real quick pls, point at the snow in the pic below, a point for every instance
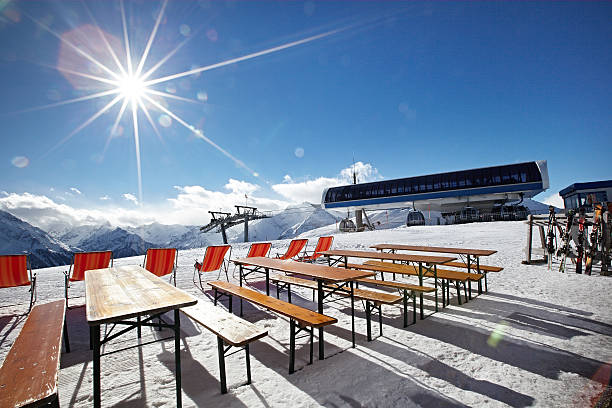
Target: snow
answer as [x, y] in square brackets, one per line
[536, 338]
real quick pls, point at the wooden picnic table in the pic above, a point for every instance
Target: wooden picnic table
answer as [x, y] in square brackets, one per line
[116, 294]
[431, 261]
[468, 253]
[323, 274]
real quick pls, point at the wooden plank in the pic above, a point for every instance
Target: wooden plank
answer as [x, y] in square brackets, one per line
[328, 273]
[398, 285]
[231, 328]
[29, 372]
[485, 268]
[121, 292]
[457, 251]
[390, 257]
[441, 273]
[302, 315]
[360, 294]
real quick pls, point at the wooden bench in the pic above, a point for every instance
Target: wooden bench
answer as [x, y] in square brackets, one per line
[372, 299]
[484, 269]
[446, 276]
[307, 320]
[230, 330]
[408, 290]
[28, 376]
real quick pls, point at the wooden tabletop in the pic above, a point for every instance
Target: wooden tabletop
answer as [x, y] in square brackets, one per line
[458, 251]
[389, 257]
[328, 273]
[121, 292]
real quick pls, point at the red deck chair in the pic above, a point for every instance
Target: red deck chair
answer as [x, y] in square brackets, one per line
[162, 262]
[257, 249]
[15, 270]
[323, 244]
[214, 259]
[295, 247]
[86, 261]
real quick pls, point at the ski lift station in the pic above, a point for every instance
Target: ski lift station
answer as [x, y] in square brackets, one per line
[445, 192]
[585, 195]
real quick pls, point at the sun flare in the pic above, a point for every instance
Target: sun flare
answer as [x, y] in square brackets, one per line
[131, 87]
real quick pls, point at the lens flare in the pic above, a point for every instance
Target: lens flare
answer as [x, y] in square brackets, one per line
[20, 162]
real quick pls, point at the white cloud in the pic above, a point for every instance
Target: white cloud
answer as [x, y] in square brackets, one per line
[131, 197]
[241, 187]
[554, 199]
[312, 190]
[105, 198]
[75, 190]
[4, 193]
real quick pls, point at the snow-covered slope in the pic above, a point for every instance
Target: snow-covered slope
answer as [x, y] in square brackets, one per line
[537, 207]
[19, 237]
[180, 236]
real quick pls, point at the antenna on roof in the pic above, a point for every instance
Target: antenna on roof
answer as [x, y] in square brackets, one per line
[354, 172]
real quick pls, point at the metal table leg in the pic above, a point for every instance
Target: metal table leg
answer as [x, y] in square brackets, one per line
[177, 357]
[352, 312]
[320, 309]
[95, 333]
[421, 284]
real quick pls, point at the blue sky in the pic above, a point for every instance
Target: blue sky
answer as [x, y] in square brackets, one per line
[406, 88]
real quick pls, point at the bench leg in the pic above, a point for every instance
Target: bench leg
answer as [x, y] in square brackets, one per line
[448, 284]
[231, 303]
[368, 323]
[458, 291]
[278, 290]
[352, 312]
[436, 284]
[55, 403]
[221, 352]
[443, 293]
[289, 293]
[466, 292]
[291, 346]
[405, 308]
[311, 343]
[421, 294]
[413, 308]
[380, 318]
[138, 329]
[248, 363]
[66, 341]
[486, 289]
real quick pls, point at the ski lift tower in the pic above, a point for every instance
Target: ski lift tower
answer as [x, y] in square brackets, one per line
[224, 220]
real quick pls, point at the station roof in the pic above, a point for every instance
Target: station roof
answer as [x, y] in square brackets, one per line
[593, 185]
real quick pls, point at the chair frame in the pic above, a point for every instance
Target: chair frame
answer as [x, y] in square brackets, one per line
[174, 268]
[67, 273]
[247, 255]
[224, 265]
[32, 290]
[302, 251]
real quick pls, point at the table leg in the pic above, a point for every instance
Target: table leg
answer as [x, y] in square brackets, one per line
[421, 284]
[320, 309]
[267, 281]
[95, 333]
[405, 308]
[240, 274]
[469, 281]
[177, 357]
[352, 311]
[436, 284]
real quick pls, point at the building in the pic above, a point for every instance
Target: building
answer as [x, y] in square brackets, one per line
[584, 195]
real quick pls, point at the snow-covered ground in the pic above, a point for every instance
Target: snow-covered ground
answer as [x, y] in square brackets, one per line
[536, 338]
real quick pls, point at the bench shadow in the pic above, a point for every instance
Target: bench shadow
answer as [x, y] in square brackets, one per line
[538, 359]
[319, 382]
[539, 303]
[10, 322]
[547, 322]
[437, 369]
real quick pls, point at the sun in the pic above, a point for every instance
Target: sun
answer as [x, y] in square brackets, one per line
[132, 88]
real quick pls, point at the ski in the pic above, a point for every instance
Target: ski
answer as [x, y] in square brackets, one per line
[565, 248]
[551, 236]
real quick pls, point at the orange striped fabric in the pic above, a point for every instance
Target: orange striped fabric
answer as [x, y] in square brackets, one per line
[295, 247]
[160, 261]
[14, 271]
[213, 258]
[259, 249]
[86, 261]
[323, 244]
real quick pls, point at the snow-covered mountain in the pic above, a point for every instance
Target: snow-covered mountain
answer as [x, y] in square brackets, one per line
[18, 236]
[173, 236]
[118, 240]
[537, 207]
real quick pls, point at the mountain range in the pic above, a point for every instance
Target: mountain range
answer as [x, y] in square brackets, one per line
[55, 247]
